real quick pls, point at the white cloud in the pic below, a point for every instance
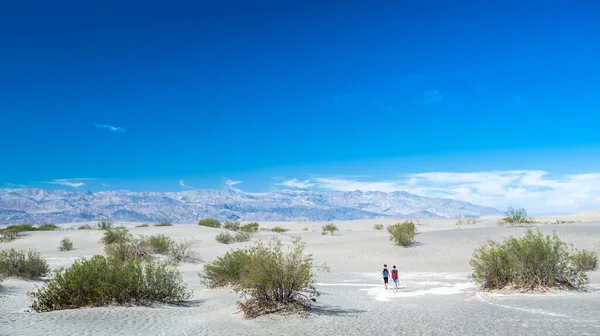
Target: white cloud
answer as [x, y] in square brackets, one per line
[231, 183]
[110, 128]
[536, 190]
[181, 183]
[294, 183]
[432, 96]
[73, 182]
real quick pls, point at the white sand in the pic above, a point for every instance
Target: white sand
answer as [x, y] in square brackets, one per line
[436, 296]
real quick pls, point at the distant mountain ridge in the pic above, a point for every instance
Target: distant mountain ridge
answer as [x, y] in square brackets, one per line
[61, 206]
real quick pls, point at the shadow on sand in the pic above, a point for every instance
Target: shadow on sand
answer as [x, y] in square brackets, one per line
[335, 311]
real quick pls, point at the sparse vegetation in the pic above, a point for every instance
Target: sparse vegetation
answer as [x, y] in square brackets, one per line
[378, 227]
[515, 217]
[129, 248]
[250, 227]
[224, 238]
[20, 227]
[210, 222]
[403, 234]
[329, 227]
[22, 264]
[101, 281]
[278, 229]
[586, 260]
[288, 285]
[85, 227]
[145, 225]
[66, 245]
[305, 228]
[242, 237]
[47, 227]
[117, 235]
[158, 244]
[535, 261]
[183, 251]
[105, 224]
[465, 220]
[8, 235]
[233, 226]
[164, 224]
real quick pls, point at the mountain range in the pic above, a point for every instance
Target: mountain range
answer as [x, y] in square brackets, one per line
[60, 206]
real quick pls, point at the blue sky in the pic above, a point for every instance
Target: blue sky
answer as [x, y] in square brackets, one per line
[143, 95]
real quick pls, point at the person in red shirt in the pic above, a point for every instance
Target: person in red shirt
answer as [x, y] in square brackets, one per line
[395, 278]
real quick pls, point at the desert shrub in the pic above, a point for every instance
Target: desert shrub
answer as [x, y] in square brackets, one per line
[47, 227]
[278, 229]
[116, 235]
[233, 226]
[23, 264]
[210, 222]
[242, 237]
[226, 270]
[85, 227]
[164, 224]
[329, 227]
[102, 281]
[515, 217]
[142, 225]
[586, 260]
[531, 262]
[183, 251]
[250, 227]
[20, 227]
[65, 244]
[465, 220]
[403, 234]
[276, 280]
[8, 235]
[105, 224]
[130, 248]
[225, 238]
[159, 244]
[305, 228]
[378, 227]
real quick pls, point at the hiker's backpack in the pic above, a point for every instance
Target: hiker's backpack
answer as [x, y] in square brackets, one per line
[385, 272]
[394, 274]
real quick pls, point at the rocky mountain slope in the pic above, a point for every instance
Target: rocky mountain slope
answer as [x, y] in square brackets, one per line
[60, 206]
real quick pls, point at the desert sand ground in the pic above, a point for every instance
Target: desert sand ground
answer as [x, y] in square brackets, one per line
[436, 295]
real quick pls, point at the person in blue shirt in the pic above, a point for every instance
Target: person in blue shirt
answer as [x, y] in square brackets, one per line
[385, 274]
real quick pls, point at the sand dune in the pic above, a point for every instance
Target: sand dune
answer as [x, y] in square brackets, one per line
[436, 296]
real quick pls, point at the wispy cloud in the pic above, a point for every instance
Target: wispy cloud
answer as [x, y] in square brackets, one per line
[432, 96]
[231, 183]
[13, 185]
[182, 183]
[536, 190]
[110, 128]
[72, 182]
[294, 183]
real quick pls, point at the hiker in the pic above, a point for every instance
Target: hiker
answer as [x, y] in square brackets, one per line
[395, 278]
[385, 274]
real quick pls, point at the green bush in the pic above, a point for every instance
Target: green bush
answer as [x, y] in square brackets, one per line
[226, 270]
[329, 227]
[47, 227]
[20, 227]
[250, 227]
[117, 235]
[209, 222]
[515, 217]
[105, 224]
[85, 227]
[183, 251]
[403, 234]
[378, 226]
[8, 235]
[586, 260]
[225, 238]
[22, 264]
[233, 226]
[531, 262]
[278, 229]
[242, 237]
[465, 220]
[305, 228]
[102, 281]
[133, 248]
[142, 225]
[66, 244]
[158, 244]
[164, 224]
